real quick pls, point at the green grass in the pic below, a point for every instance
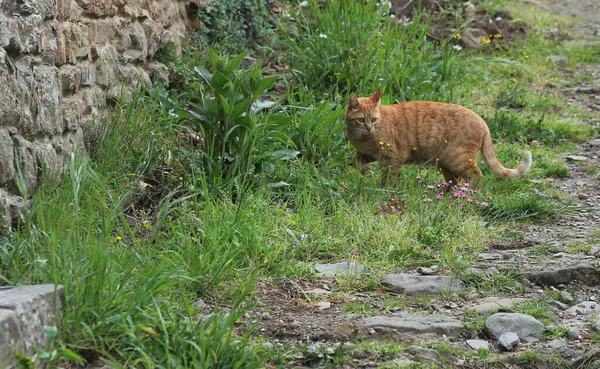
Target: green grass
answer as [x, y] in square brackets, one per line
[201, 190]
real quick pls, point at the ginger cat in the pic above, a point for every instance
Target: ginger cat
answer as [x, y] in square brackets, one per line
[447, 135]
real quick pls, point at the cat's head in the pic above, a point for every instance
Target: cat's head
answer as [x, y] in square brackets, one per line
[362, 113]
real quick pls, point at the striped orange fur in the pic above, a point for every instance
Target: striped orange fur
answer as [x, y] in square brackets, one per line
[446, 135]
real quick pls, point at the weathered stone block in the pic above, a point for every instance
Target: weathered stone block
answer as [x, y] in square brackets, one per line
[70, 77]
[49, 112]
[20, 34]
[100, 31]
[44, 8]
[132, 44]
[14, 94]
[155, 35]
[63, 9]
[88, 74]
[12, 208]
[7, 170]
[159, 73]
[77, 44]
[72, 111]
[48, 160]
[53, 43]
[98, 8]
[25, 311]
[26, 159]
[106, 66]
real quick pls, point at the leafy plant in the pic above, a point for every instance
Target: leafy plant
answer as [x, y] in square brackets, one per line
[226, 117]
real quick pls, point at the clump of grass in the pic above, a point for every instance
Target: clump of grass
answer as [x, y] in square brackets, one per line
[555, 169]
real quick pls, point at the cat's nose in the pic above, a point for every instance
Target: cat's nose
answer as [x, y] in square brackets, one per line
[368, 127]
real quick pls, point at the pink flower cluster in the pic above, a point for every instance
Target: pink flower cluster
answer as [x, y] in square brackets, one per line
[459, 193]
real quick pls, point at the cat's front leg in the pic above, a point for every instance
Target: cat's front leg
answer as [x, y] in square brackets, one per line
[389, 173]
[361, 161]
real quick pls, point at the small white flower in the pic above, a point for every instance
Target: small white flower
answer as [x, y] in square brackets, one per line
[490, 20]
[498, 19]
[304, 4]
[285, 15]
[172, 113]
[322, 35]
[457, 47]
[392, 16]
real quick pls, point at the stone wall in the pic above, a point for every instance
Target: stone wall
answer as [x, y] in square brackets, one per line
[60, 62]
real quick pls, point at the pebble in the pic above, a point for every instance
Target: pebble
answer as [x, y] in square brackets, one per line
[573, 333]
[566, 296]
[265, 315]
[295, 324]
[267, 345]
[508, 340]
[323, 305]
[583, 196]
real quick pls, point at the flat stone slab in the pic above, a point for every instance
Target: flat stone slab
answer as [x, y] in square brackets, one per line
[343, 269]
[414, 325]
[24, 312]
[584, 308]
[492, 303]
[582, 272]
[476, 345]
[413, 284]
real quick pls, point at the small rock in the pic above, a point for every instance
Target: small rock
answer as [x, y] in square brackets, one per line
[566, 296]
[318, 291]
[265, 315]
[508, 340]
[200, 304]
[558, 304]
[267, 345]
[560, 60]
[525, 326]
[557, 346]
[425, 271]
[371, 331]
[576, 158]
[412, 284]
[492, 271]
[595, 142]
[423, 354]
[247, 62]
[592, 298]
[323, 305]
[584, 308]
[489, 256]
[534, 143]
[573, 333]
[331, 271]
[475, 345]
[582, 196]
[295, 324]
[494, 303]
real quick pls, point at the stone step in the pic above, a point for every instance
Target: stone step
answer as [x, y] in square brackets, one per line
[24, 312]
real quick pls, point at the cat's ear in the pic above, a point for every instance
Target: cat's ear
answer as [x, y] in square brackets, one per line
[353, 102]
[376, 97]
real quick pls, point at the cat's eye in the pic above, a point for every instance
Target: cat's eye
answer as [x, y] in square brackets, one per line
[361, 120]
[373, 120]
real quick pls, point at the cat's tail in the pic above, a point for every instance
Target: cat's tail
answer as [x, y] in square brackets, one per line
[487, 151]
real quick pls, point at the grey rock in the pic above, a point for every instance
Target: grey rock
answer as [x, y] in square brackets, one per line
[558, 304]
[493, 303]
[595, 142]
[70, 77]
[24, 312]
[267, 345]
[583, 272]
[318, 291]
[159, 73]
[508, 340]
[561, 61]
[573, 333]
[343, 269]
[425, 271]
[584, 308]
[424, 355]
[472, 37]
[402, 362]
[476, 345]
[415, 325]
[576, 158]
[566, 296]
[247, 62]
[489, 256]
[7, 170]
[558, 346]
[323, 305]
[411, 284]
[12, 209]
[526, 327]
